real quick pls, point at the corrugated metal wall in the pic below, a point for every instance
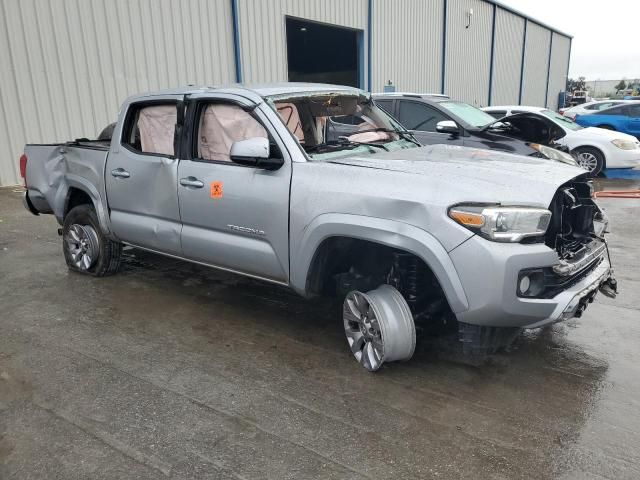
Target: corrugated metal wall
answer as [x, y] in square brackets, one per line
[536, 60]
[558, 68]
[507, 58]
[468, 51]
[67, 65]
[263, 37]
[409, 56]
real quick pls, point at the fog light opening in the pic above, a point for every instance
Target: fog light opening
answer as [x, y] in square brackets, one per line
[531, 283]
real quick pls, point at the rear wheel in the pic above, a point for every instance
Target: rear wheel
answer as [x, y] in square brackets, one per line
[379, 327]
[590, 159]
[86, 249]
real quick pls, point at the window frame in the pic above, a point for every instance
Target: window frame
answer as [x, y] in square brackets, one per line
[194, 113]
[135, 107]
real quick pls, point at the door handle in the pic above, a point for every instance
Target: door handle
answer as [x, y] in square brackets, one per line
[191, 182]
[120, 172]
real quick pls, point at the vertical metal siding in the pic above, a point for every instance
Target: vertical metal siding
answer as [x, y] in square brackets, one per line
[263, 43]
[67, 65]
[536, 60]
[468, 51]
[507, 58]
[558, 69]
[407, 44]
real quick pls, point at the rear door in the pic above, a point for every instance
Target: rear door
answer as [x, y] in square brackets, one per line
[234, 217]
[141, 175]
[421, 120]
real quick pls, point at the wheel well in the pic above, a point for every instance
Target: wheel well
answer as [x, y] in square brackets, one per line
[76, 197]
[342, 264]
[606, 126]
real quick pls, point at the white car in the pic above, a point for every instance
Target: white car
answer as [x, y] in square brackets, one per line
[587, 108]
[594, 148]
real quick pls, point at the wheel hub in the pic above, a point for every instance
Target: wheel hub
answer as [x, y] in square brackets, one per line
[587, 160]
[83, 246]
[379, 326]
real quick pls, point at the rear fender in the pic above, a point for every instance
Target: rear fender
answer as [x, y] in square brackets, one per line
[75, 181]
[385, 232]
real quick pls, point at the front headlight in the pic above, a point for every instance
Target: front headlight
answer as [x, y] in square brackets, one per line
[502, 224]
[554, 154]
[625, 144]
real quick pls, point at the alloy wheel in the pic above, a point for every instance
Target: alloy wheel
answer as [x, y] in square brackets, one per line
[83, 246]
[379, 327]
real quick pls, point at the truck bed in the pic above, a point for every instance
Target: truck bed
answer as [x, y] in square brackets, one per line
[53, 169]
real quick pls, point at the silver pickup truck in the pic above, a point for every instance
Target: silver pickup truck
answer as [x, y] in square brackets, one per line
[316, 188]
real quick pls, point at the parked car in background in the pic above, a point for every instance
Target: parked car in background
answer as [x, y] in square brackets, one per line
[594, 148]
[589, 107]
[440, 120]
[254, 181]
[623, 118]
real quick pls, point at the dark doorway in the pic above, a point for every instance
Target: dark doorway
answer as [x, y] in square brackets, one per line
[322, 53]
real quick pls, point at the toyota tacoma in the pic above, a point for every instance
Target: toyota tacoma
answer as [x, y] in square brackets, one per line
[316, 188]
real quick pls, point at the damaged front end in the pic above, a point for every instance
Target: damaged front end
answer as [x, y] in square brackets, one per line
[577, 234]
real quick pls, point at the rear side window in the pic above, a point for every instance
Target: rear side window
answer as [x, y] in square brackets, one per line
[418, 116]
[150, 129]
[634, 110]
[619, 110]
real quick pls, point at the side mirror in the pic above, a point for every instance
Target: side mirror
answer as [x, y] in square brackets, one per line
[448, 126]
[254, 152]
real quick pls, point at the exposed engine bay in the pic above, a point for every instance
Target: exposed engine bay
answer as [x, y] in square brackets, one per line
[574, 218]
[576, 232]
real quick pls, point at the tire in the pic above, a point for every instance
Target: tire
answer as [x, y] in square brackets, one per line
[606, 127]
[86, 249]
[590, 158]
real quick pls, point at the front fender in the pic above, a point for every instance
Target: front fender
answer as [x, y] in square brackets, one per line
[385, 232]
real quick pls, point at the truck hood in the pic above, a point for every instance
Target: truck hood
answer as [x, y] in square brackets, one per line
[458, 174]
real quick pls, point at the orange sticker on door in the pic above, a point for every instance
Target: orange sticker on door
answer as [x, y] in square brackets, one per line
[216, 189]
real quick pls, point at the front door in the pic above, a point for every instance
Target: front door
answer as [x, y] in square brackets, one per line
[234, 217]
[141, 176]
[421, 120]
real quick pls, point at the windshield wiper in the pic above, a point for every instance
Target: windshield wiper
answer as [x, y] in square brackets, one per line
[405, 134]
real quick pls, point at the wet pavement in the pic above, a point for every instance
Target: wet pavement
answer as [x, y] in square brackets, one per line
[170, 370]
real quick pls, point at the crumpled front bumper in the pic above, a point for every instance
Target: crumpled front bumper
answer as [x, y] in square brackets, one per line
[489, 272]
[573, 301]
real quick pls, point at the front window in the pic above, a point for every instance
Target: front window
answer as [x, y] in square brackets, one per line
[564, 122]
[330, 125]
[418, 116]
[469, 114]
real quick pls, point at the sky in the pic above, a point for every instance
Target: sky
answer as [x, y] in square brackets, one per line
[605, 34]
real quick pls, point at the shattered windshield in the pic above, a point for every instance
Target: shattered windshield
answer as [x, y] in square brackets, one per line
[331, 125]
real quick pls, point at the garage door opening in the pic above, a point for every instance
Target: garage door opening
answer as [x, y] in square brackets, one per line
[323, 53]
